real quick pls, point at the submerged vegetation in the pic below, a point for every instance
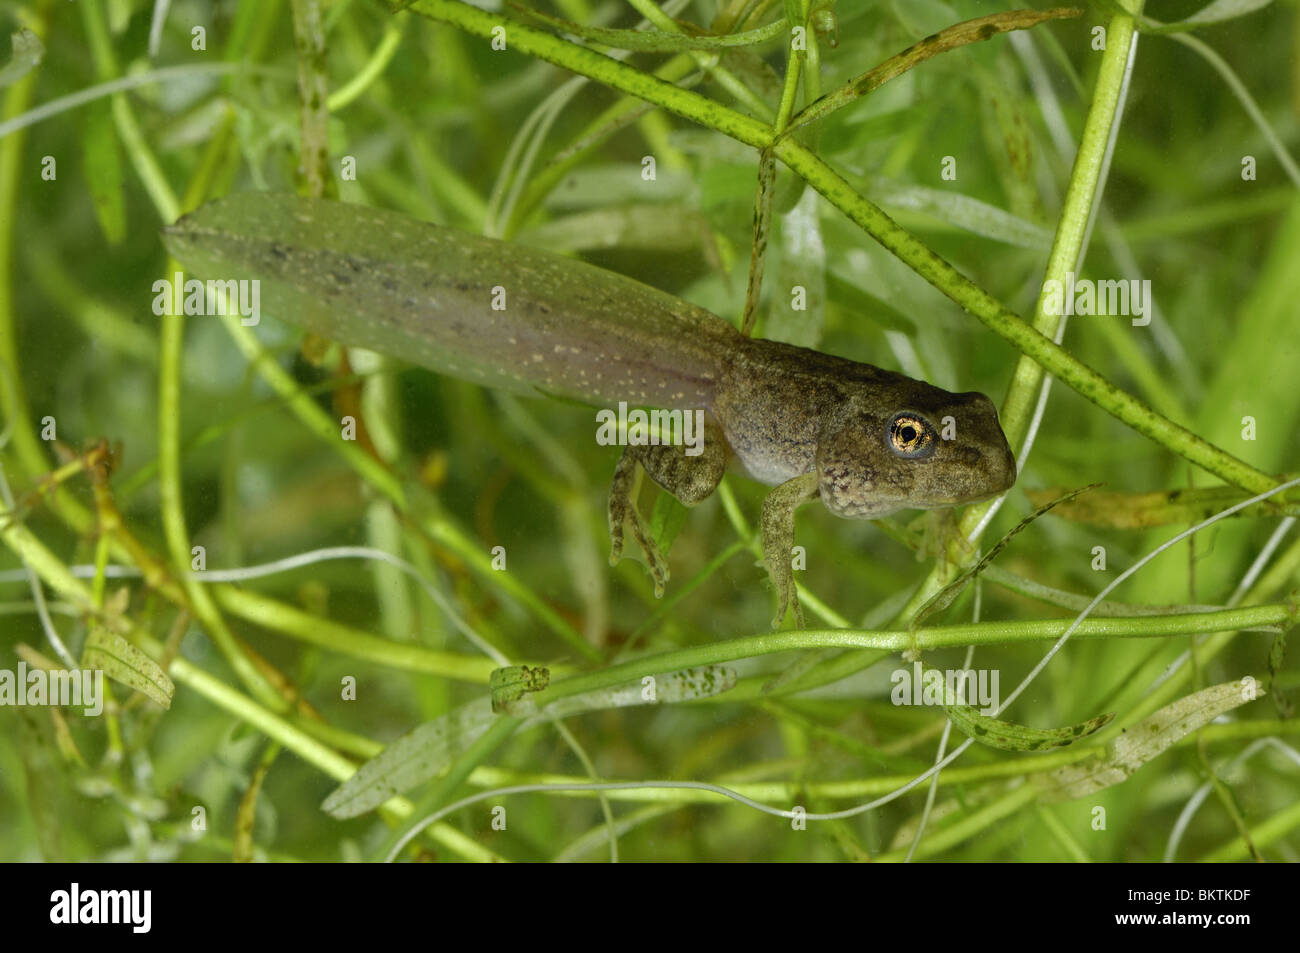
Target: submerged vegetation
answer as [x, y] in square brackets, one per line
[349, 609]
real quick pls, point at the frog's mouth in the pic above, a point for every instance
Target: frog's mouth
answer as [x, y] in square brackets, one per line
[991, 495]
[944, 504]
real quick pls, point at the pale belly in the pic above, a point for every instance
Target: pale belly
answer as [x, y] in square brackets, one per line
[773, 458]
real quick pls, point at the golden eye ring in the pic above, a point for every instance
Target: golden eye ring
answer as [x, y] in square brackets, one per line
[910, 436]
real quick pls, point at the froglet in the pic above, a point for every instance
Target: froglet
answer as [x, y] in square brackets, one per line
[865, 441]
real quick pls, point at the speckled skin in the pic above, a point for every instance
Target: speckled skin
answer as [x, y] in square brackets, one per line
[788, 411]
[807, 423]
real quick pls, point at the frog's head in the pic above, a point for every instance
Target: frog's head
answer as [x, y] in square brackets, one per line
[919, 448]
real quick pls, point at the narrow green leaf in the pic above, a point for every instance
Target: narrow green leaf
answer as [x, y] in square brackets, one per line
[1276, 654]
[654, 41]
[102, 164]
[961, 34]
[666, 521]
[1218, 11]
[754, 73]
[668, 228]
[1120, 509]
[857, 301]
[246, 816]
[798, 311]
[427, 750]
[119, 15]
[1148, 739]
[123, 662]
[961, 211]
[1009, 736]
[599, 187]
[688, 684]
[412, 759]
[510, 684]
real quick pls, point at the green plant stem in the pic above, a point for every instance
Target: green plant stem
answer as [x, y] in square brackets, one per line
[27, 445]
[173, 515]
[373, 68]
[975, 633]
[336, 637]
[137, 150]
[1072, 227]
[789, 89]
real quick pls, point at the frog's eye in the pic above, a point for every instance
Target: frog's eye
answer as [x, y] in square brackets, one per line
[910, 435]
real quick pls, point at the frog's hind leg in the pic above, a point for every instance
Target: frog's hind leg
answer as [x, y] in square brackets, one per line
[622, 510]
[778, 540]
[688, 477]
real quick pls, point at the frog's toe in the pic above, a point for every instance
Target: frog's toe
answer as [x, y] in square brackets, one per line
[660, 575]
[787, 599]
[654, 559]
[658, 567]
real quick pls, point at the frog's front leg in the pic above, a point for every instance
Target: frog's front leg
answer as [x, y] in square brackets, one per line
[688, 477]
[778, 540]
